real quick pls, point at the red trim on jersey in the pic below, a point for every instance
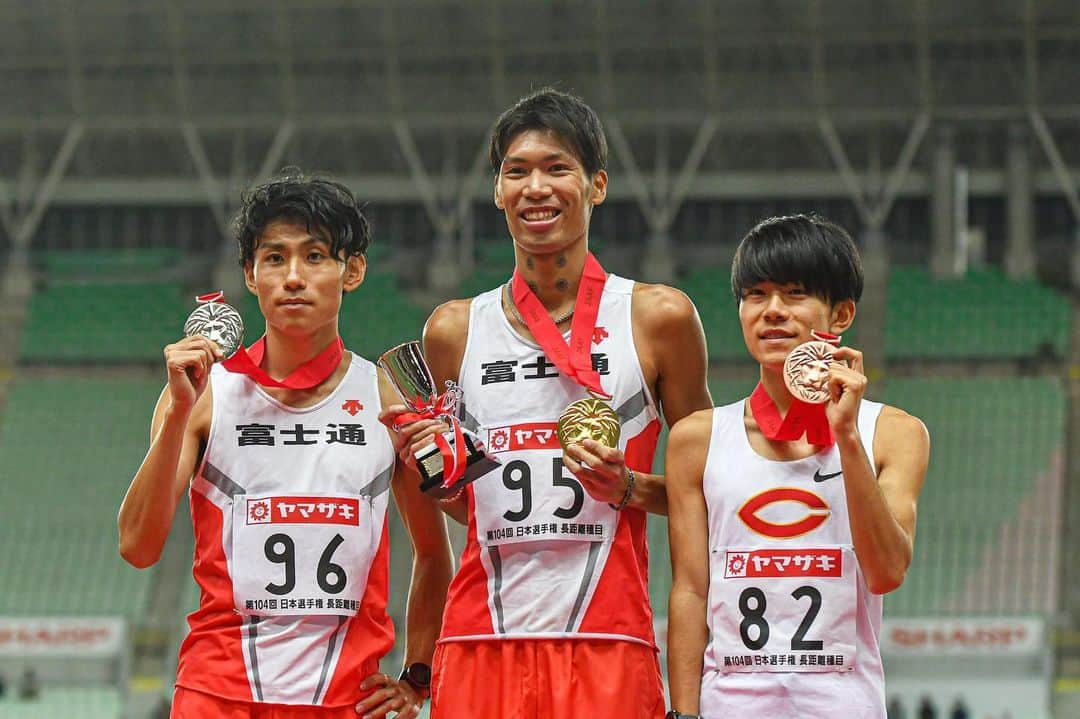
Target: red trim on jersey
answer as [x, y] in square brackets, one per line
[620, 604]
[212, 657]
[467, 611]
[368, 636]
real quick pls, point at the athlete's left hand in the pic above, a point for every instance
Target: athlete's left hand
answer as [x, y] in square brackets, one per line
[600, 469]
[847, 383]
[390, 695]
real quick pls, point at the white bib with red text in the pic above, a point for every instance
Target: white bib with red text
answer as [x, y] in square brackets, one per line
[298, 553]
[536, 497]
[784, 610]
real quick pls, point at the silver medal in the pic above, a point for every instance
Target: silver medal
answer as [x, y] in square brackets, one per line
[218, 322]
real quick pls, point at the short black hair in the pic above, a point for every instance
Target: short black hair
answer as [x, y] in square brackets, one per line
[327, 208]
[565, 115]
[803, 249]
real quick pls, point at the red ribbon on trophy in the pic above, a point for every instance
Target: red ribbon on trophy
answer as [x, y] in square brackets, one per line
[455, 458]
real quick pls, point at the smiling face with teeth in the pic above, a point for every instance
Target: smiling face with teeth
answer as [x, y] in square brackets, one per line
[546, 193]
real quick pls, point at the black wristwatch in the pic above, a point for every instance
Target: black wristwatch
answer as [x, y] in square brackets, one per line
[679, 715]
[418, 675]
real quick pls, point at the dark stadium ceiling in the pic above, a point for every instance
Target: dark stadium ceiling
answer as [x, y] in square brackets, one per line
[113, 100]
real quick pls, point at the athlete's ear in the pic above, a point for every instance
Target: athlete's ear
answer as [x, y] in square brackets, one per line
[249, 277]
[355, 269]
[599, 187]
[841, 316]
[498, 194]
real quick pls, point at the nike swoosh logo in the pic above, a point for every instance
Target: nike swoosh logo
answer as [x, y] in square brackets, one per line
[819, 477]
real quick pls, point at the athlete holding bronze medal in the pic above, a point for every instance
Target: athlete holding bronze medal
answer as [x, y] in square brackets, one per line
[565, 371]
[793, 511]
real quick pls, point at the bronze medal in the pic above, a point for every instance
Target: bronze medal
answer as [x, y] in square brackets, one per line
[589, 418]
[806, 371]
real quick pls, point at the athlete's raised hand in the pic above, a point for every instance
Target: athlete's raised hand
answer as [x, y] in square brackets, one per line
[188, 363]
[847, 383]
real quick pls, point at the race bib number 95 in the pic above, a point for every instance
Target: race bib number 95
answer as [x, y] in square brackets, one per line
[531, 496]
[299, 554]
[785, 610]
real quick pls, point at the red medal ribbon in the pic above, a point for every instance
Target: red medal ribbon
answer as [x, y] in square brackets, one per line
[218, 296]
[310, 374]
[574, 359]
[455, 458]
[801, 418]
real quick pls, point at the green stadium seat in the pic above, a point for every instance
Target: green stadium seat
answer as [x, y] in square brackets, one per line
[55, 702]
[103, 322]
[983, 315]
[996, 447]
[59, 264]
[68, 450]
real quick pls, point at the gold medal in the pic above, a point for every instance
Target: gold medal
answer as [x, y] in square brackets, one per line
[589, 418]
[806, 371]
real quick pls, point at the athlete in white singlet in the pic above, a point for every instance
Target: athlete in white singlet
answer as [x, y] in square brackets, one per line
[289, 473]
[781, 547]
[548, 615]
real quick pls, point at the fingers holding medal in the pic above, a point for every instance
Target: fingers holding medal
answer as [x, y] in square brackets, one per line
[820, 372]
[589, 418]
[588, 431]
[807, 369]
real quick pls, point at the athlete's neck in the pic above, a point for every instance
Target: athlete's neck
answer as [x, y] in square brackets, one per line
[554, 277]
[773, 382]
[284, 352]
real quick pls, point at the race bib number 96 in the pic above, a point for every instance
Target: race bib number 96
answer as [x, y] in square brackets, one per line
[785, 610]
[299, 554]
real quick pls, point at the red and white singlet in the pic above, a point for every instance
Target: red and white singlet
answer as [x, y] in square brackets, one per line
[543, 559]
[289, 510]
[793, 627]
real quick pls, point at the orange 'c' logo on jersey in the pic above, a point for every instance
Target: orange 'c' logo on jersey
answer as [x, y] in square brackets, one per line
[818, 512]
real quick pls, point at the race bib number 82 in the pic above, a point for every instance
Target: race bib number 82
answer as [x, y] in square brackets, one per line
[785, 610]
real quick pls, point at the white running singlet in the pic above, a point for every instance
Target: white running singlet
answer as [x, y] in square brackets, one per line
[543, 559]
[289, 510]
[793, 627]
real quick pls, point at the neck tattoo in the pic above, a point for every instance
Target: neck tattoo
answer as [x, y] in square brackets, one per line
[509, 296]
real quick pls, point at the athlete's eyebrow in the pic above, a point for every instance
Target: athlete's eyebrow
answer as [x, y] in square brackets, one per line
[278, 245]
[516, 160]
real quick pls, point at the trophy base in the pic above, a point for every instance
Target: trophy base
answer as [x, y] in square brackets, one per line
[430, 464]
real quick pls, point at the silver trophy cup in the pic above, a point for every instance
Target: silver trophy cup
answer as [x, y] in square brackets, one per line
[411, 377]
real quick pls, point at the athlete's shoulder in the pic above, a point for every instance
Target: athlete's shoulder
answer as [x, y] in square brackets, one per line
[687, 448]
[694, 426]
[663, 302]
[895, 420]
[448, 321]
[898, 430]
[445, 335]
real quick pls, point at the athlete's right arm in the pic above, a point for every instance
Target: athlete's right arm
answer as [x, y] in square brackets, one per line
[445, 334]
[688, 534]
[178, 433]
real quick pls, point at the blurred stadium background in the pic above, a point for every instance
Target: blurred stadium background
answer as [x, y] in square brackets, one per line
[944, 135]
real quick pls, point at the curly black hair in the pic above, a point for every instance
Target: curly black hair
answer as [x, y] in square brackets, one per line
[327, 208]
